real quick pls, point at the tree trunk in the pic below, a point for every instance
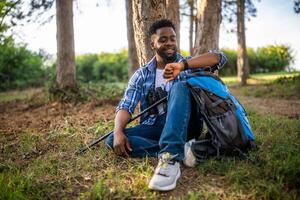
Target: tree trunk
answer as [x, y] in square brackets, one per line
[133, 63]
[191, 31]
[144, 14]
[242, 57]
[174, 15]
[209, 19]
[66, 73]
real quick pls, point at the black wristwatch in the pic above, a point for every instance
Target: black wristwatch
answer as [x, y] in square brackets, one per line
[185, 64]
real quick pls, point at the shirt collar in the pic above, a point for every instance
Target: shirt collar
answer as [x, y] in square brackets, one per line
[151, 65]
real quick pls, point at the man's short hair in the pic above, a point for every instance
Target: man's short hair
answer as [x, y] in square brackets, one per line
[160, 24]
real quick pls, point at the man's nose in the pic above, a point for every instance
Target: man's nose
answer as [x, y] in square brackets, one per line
[170, 42]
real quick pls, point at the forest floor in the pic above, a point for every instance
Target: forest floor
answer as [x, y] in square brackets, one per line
[38, 139]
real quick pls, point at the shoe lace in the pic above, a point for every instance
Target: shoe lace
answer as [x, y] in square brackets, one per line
[165, 163]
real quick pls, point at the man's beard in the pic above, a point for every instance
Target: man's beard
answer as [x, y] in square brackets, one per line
[165, 57]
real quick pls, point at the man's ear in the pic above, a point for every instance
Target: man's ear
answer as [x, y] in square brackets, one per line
[152, 44]
[152, 41]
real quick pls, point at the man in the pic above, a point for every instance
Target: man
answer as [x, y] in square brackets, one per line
[164, 132]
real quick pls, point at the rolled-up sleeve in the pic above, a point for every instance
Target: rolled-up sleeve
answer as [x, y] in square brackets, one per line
[132, 94]
[223, 58]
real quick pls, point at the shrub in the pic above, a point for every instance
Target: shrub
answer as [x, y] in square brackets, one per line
[19, 67]
[231, 66]
[265, 59]
[107, 67]
[274, 58]
[84, 66]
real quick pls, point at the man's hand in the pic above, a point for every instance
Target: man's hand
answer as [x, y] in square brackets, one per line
[172, 70]
[121, 144]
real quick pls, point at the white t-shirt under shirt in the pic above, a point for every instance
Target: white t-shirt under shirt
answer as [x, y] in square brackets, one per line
[161, 82]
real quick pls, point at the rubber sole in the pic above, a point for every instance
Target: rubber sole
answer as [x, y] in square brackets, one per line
[168, 187]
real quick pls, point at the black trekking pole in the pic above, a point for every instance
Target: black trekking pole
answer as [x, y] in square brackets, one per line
[95, 142]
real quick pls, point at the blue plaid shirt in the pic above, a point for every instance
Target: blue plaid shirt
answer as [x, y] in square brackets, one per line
[144, 79]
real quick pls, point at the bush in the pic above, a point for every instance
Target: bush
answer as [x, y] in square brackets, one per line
[19, 67]
[265, 59]
[84, 66]
[107, 67]
[274, 58]
[230, 67]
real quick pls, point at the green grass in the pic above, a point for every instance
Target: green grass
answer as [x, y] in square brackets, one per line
[17, 95]
[98, 174]
[272, 85]
[260, 78]
[284, 87]
[272, 171]
[42, 165]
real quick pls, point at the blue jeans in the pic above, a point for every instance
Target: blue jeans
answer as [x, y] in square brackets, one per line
[169, 133]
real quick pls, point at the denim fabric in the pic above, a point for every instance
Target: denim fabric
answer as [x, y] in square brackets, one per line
[168, 133]
[174, 134]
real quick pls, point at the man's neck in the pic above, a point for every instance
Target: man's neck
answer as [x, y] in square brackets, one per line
[160, 63]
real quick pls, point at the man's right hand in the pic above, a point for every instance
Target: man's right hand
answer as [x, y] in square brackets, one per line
[121, 144]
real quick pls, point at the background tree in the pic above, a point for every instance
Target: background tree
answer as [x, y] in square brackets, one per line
[66, 72]
[174, 15]
[242, 56]
[235, 11]
[144, 14]
[208, 26]
[188, 9]
[10, 14]
[297, 6]
[133, 63]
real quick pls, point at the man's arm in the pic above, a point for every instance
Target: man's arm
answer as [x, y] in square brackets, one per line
[202, 61]
[121, 143]
[123, 114]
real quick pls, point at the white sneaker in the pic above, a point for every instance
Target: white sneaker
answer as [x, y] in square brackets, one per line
[166, 174]
[189, 158]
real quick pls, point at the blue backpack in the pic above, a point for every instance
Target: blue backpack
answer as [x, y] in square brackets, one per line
[226, 119]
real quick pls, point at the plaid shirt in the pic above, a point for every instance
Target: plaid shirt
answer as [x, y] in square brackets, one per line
[144, 79]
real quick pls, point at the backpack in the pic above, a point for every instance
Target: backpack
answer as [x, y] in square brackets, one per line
[229, 131]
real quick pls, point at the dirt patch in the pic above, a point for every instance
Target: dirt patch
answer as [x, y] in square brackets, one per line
[16, 117]
[283, 107]
[21, 116]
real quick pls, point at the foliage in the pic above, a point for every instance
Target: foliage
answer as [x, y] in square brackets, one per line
[107, 67]
[10, 9]
[271, 58]
[283, 87]
[19, 67]
[84, 66]
[231, 66]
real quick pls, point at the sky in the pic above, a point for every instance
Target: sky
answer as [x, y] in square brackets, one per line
[103, 28]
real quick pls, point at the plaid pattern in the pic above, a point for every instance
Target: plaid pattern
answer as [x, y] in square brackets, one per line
[144, 79]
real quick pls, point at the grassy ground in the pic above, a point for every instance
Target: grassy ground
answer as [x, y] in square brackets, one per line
[261, 78]
[38, 140]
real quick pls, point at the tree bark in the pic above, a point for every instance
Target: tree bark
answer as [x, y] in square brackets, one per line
[191, 29]
[242, 57]
[133, 63]
[66, 73]
[174, 15]
[144, 14]
[208, 25]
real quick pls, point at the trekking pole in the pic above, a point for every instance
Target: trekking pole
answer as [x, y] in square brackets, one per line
[95, 142]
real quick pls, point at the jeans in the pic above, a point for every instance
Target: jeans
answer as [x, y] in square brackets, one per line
[169, 133]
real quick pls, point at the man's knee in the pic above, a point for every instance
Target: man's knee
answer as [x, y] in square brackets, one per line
[179, 85]
[179, 88]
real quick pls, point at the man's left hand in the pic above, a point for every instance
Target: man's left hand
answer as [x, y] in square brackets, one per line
[172, 70]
